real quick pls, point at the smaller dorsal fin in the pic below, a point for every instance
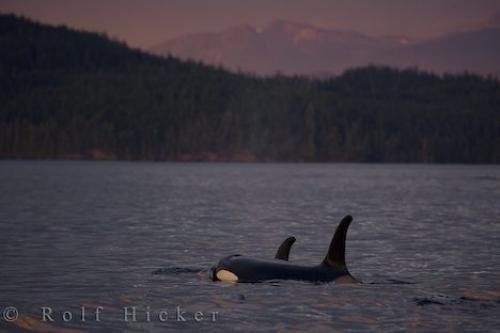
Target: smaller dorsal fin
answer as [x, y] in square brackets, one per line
[336, 253]
[284, 249]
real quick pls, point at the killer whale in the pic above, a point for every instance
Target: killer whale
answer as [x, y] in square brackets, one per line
[238, 268]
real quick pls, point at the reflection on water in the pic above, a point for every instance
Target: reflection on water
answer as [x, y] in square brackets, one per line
[120, 235]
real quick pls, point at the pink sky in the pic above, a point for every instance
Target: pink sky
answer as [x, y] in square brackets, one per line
[148, 22]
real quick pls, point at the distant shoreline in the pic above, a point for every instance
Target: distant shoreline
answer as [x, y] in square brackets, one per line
[62, 159]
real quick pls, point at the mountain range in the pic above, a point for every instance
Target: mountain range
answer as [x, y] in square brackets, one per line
[296, 48]
[75, 94]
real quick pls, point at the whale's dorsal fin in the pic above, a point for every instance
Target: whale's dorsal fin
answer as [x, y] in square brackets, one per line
[284, 249]
[336, 253]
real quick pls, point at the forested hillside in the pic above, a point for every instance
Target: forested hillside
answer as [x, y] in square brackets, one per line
[71, 94]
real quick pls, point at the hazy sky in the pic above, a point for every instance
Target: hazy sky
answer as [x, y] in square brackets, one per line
[144, 23]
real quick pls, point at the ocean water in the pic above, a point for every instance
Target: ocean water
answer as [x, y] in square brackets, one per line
[118, 237]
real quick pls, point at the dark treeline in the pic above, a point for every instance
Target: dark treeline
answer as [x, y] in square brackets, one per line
[69, 94]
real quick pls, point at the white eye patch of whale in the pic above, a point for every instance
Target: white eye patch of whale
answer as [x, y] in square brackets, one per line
[226, 276]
